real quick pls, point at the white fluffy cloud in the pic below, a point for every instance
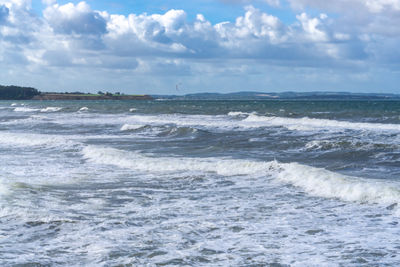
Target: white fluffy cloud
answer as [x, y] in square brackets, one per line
[274, 3]
[76, 36]
[78, 19]
[374, 6]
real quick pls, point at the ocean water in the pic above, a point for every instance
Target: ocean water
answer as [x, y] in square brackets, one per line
[199, 183]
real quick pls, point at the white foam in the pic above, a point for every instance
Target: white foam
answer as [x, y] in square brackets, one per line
[140, 162]
[4, 189]
[84, 109]
[28, 139]
[23, 109]
[258, 139]
[50, 109]
[306, 123]
[251, 121]
[132, 109]
[320, 144]
[314, 181]
[203, 121]
[130, 127]
[324, 183]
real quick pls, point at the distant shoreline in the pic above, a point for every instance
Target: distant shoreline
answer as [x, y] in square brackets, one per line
[13, 92]
[55, 96]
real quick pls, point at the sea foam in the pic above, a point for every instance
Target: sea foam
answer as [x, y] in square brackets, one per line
[24, 109]
[50, 109]
[140, 162]
[131, 127]
[306, 123]
[314, 181]
[28, 140]
[246, 121]
[323, 183]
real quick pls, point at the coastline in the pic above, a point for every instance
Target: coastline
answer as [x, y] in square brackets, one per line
[90, 97]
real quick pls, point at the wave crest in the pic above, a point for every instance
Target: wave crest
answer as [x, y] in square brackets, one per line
[314, 181]
[305, 123]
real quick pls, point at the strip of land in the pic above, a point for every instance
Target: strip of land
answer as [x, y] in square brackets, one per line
[55, 96]
[13, 92]
[28, 93]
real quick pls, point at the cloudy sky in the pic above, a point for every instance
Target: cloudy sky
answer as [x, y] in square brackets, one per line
[145, 46]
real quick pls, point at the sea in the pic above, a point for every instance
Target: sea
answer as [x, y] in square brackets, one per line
[199, 183]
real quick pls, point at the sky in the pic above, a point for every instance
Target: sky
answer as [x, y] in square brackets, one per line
[150, 47]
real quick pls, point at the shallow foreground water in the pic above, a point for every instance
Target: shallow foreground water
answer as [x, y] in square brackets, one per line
[200, 183]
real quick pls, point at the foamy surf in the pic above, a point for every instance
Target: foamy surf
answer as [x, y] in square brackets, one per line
[31, 140]
[25, 109]
[306, 123]
[247, 121]
[202, 180]
[140, 162]
[50, 109]
[131, 127]
[314, 181]
[323, 183]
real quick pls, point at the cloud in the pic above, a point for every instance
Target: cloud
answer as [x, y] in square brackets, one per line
[368, 16]
[75, 19]
[49, 2]
[72, 34]
[274, 3]
[76, 37]
[4, 12]
[78, 30]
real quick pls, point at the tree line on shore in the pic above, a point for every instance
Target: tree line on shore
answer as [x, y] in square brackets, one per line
[13, 92]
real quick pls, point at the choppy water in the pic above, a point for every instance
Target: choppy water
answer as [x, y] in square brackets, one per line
[184, 183]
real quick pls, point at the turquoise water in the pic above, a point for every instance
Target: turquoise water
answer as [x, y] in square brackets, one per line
[199, 183]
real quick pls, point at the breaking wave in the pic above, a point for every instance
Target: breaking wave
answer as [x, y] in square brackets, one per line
[29, 140]
[140, 162]
[323, 183]
[51, 109]
[24, 109]
[245, 121]
[312, 124]
[314, 181]
[131, 127]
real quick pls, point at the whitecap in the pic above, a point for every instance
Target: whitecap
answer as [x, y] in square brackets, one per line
[314, 181]
[130, 127]
[29, 140]
[50, 109]
[140, 162]
[306, 123]
[24, 109]
[323, 183]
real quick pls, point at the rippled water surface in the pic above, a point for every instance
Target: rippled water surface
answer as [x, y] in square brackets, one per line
[199, 183]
